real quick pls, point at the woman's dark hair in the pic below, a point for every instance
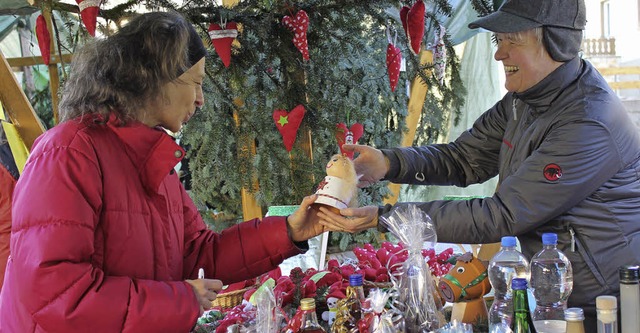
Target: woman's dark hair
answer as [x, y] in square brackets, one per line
[126, 71]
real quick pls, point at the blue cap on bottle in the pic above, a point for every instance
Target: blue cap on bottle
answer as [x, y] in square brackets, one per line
[355, 280]
[549, 239]
[519, 284]
[509, 241]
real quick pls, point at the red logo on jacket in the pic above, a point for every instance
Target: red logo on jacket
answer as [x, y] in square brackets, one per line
[552, 172]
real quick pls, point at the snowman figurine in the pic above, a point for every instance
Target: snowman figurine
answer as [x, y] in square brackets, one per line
[339, 189]
[330, 316]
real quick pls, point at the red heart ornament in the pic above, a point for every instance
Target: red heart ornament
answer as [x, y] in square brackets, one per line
[222, 37]
[394, 58]
[413, 24]
[89, 14]
[44, 39]
[288, 124]
[299, 25]
[348, 135]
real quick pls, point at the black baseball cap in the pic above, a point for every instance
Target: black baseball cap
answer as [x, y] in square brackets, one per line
[562, 22]
[520, 15]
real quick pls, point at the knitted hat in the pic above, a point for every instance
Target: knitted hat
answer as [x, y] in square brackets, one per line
[562, 20]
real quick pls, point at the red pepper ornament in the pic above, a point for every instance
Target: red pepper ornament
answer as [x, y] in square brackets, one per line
[299, 25]
[222, 36]
[44, 39]
[394, 60]
[413, 24]
[89, 14]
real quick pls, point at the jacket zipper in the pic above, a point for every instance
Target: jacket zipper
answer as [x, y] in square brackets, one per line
[576, 242]
[573, 239]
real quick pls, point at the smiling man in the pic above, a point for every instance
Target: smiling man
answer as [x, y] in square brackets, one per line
[566, 153]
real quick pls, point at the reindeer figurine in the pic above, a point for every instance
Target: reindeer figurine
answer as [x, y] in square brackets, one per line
[465, 286]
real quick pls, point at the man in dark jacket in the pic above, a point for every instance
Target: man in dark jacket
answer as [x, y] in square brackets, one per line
[565, 151]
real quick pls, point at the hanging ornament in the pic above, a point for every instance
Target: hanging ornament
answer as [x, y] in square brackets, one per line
[222, 37]
[44, 39]
[439, 54]
[89, 13]
[288, 124]
[413, 24]
[349, 136]
[394, 59]
[299, 25]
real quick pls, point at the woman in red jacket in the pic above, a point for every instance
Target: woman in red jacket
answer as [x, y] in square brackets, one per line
[105, 238]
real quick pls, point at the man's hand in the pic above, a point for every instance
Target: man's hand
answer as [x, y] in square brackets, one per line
[371, 165]
[350, 219]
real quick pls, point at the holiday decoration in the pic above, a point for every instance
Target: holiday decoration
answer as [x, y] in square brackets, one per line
[288, 124]
[348, 136]
[464, 286]
[222, 35]
[413, 24]
[89, 13]
[394, 59]
[44, 39]
[340, 187]
[299, 25]
[439, 55]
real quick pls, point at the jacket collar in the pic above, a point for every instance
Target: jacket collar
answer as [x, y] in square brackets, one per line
[542, 95]
[152, 150]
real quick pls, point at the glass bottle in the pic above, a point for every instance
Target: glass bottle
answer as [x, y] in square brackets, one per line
[506, 264]
[607, 313]
[630, 298]
[355, 295]
[309, 318]
[551, 282]
[522, 322]
[575, 320]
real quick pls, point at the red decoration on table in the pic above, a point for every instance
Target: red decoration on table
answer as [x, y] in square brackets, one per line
[44, 39]
[299, 25]
[89, 13]
[222, 37]
[413, 24]
[348, 135]
[288, 124]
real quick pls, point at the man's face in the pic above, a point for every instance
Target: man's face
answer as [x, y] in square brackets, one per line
[525, 60]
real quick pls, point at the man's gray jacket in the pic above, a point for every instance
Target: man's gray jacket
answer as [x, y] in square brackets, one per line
[568, 159]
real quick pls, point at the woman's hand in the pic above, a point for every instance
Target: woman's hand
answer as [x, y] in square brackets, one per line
[304, 223]
[349, 219]
[370, 163]
[206, 291]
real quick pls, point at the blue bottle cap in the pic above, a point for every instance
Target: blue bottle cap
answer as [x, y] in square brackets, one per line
[549, 239]
[519, 284]
[508, 241]
[355, 280]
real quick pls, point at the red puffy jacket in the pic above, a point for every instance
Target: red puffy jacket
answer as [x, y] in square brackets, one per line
[7, 183]
[104, 235]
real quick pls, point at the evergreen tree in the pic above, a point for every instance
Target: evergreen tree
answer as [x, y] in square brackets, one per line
[345, 81]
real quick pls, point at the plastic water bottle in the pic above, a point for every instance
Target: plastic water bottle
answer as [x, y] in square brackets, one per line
[506, 264]
[552, 282]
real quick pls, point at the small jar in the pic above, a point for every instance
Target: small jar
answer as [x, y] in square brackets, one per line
[575, 320]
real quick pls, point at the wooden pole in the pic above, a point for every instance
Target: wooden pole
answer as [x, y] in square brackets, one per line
[250, 207]
[17, 105]
[417, 95]
[54, 78]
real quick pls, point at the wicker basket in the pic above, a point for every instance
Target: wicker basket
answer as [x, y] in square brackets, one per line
[230, 299]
